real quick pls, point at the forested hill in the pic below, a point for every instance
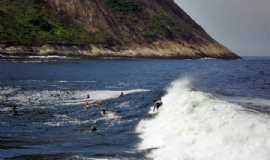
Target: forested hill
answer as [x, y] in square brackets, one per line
[121, 28]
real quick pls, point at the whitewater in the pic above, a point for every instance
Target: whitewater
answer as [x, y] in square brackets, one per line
[74, 109]
[195, 125]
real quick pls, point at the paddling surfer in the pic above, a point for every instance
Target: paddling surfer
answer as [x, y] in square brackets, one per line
[14, 109]
[87, 105]
[103, 113]
[122, 94]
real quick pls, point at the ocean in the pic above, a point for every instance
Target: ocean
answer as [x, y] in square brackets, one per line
[50, 108]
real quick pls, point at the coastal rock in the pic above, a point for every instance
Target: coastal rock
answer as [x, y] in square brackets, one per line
[110, 28]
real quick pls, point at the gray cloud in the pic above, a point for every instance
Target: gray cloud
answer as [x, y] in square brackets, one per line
[241, 25]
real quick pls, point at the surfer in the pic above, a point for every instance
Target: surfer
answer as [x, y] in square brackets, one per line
[88, 96]
[14, 109]
[87, 105]
[29, 100]
[103, 112]
[122, 94]
[93, 129]
[157, 105]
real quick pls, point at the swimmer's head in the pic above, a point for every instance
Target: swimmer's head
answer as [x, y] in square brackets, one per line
[94, 128]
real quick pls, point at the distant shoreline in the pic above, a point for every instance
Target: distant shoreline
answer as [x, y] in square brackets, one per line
[168, 50]
[50, 57]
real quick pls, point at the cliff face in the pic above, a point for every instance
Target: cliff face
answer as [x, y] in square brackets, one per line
[126, 28]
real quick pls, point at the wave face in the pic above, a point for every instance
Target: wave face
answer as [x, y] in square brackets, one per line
[193, 125]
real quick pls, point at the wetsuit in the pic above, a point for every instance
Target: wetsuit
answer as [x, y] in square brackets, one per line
[157, 105]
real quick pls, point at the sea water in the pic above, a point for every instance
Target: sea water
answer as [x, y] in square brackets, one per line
[212, 109]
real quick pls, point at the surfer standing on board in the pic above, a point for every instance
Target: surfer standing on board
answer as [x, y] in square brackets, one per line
[157, 105]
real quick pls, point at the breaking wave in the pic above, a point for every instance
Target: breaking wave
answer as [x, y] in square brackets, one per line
[59, 97]
[194, 125]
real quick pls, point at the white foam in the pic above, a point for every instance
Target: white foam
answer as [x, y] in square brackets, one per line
[193, 125]
[125, 104]
[248, 100]
[111, 116]
[63, 81]
[48, 57]
[64, 120]
[58, 97]
[7, 90]
[88, 158]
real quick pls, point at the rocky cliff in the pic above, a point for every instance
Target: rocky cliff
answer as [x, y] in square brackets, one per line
[103, 28]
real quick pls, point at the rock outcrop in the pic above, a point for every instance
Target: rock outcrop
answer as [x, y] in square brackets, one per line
[108, 28]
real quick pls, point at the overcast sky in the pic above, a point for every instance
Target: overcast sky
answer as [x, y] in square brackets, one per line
[241, 25]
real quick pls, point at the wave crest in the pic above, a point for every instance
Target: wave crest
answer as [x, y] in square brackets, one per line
[194, 125]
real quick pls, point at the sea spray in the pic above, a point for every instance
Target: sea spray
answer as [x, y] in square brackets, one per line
[194, 125]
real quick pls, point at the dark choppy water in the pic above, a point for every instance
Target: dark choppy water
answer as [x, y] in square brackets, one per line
[54, 123]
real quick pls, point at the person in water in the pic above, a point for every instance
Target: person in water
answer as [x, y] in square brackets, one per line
[88, 96]
[87, 105]
[93, 129]
[14, 110]
[122, 94]
[103, 113]
[157, 105]
[29, 100]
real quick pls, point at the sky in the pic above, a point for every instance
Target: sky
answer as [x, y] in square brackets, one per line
[241, 25]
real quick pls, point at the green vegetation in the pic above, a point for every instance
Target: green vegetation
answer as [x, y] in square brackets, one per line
[28, 22]
[124, 6]
[162, 26]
